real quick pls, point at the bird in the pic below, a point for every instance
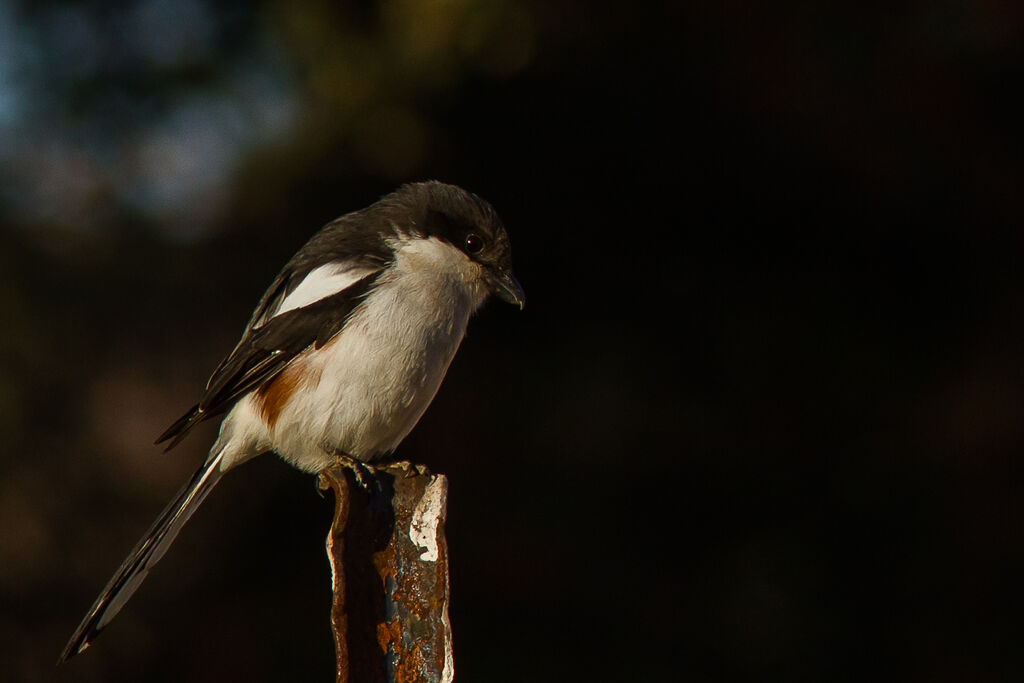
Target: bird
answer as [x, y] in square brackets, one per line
[342, 355]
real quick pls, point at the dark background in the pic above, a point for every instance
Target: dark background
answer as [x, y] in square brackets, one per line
[761, 417]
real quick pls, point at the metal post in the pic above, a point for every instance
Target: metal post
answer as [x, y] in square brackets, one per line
[389, 562]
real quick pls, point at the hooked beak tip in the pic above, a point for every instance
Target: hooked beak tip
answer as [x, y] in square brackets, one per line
[508, 289]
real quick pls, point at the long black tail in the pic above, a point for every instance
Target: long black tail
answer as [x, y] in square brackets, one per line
[147, 552]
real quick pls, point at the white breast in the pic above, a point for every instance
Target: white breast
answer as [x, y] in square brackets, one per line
[368, 386]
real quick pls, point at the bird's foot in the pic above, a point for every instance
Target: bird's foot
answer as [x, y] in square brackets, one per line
[363, 473]
[409, 469]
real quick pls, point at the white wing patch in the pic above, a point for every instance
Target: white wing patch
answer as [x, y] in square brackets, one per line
[320, 283]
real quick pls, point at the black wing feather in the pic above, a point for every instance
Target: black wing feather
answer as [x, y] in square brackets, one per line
[266, 350]
[358, 239]
[270, 342]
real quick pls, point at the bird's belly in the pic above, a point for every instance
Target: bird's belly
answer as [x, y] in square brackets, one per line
[365, 390]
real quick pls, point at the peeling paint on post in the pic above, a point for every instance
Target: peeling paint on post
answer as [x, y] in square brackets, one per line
[389, 565]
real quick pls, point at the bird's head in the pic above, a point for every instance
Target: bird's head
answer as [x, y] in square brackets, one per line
[471, 225]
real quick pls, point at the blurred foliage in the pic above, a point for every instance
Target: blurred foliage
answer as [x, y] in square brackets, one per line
[761, 419]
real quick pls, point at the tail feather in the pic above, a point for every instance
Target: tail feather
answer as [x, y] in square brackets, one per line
[184, 424]
[146, 553]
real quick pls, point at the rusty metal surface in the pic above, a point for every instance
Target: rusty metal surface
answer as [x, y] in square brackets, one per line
[389, 562]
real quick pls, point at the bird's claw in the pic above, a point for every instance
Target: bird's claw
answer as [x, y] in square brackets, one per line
[409, 469]
[362, 472]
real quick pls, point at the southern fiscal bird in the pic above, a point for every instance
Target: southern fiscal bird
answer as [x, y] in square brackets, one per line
[342, 355]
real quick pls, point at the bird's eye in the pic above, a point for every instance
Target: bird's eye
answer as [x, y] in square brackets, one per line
[474, 243]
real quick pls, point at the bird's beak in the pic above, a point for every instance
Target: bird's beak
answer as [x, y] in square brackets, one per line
[508, 288]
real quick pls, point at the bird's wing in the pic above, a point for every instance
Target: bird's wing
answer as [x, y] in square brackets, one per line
[289, 319]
